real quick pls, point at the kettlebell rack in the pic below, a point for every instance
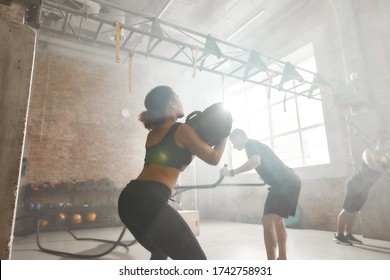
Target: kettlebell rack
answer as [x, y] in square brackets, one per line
[75, 205]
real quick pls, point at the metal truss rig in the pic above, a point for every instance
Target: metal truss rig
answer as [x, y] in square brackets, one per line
[151, 37]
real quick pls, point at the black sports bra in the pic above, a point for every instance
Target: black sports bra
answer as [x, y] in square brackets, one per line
[167, 152]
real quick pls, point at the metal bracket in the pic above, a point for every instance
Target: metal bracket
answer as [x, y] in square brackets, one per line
[152, 37]
[33, 13]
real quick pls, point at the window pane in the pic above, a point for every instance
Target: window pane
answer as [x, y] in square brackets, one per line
[284, 121]
[258, 124]
[237, 107]
[308, 64]
[256, 98]
[310, 111]
[288, 149]
[294, 125]
[278, 96]
[315, 146]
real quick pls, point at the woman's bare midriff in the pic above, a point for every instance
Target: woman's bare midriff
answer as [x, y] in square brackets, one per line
[165, 175]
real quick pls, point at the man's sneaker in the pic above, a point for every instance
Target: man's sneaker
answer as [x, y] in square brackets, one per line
[341, 239]
[352, 239]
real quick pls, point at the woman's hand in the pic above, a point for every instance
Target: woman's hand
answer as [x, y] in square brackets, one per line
[188, 138]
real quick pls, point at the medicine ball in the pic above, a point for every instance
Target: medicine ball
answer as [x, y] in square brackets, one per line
[76, 219]
[91, 216]
[211, 125]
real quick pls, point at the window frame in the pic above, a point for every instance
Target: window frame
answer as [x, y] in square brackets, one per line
[244, 90]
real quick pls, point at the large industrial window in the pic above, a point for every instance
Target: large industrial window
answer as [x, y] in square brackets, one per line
[293, 126]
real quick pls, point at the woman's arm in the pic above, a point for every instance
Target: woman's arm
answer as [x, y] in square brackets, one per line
[187, 137]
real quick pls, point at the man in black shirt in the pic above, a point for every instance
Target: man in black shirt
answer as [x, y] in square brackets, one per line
[357, 188]
[284, 188]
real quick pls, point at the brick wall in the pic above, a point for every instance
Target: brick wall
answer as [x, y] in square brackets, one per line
[75, 128]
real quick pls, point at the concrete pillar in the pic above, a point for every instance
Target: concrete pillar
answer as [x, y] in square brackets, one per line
[17, 50]
[372, 21]
[367, 70]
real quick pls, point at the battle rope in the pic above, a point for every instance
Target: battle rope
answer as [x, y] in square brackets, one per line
[365, 139]
[179, 189]
[91, 256]
[80, 256]
[182, 188]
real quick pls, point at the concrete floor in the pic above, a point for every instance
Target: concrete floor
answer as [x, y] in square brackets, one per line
[221, 240]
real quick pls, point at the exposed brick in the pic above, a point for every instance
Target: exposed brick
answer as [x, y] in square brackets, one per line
[75, 129]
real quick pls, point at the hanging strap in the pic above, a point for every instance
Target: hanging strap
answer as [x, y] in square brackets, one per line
[118, 28]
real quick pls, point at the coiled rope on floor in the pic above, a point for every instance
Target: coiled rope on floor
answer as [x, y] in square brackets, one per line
[83, 256]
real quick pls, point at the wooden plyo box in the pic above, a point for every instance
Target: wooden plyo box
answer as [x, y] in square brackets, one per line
[192, 219]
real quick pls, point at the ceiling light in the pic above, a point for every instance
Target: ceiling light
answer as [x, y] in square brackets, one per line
[245, 25]
[164, 9]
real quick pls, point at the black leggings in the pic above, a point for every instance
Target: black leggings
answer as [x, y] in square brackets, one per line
[143, 207]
